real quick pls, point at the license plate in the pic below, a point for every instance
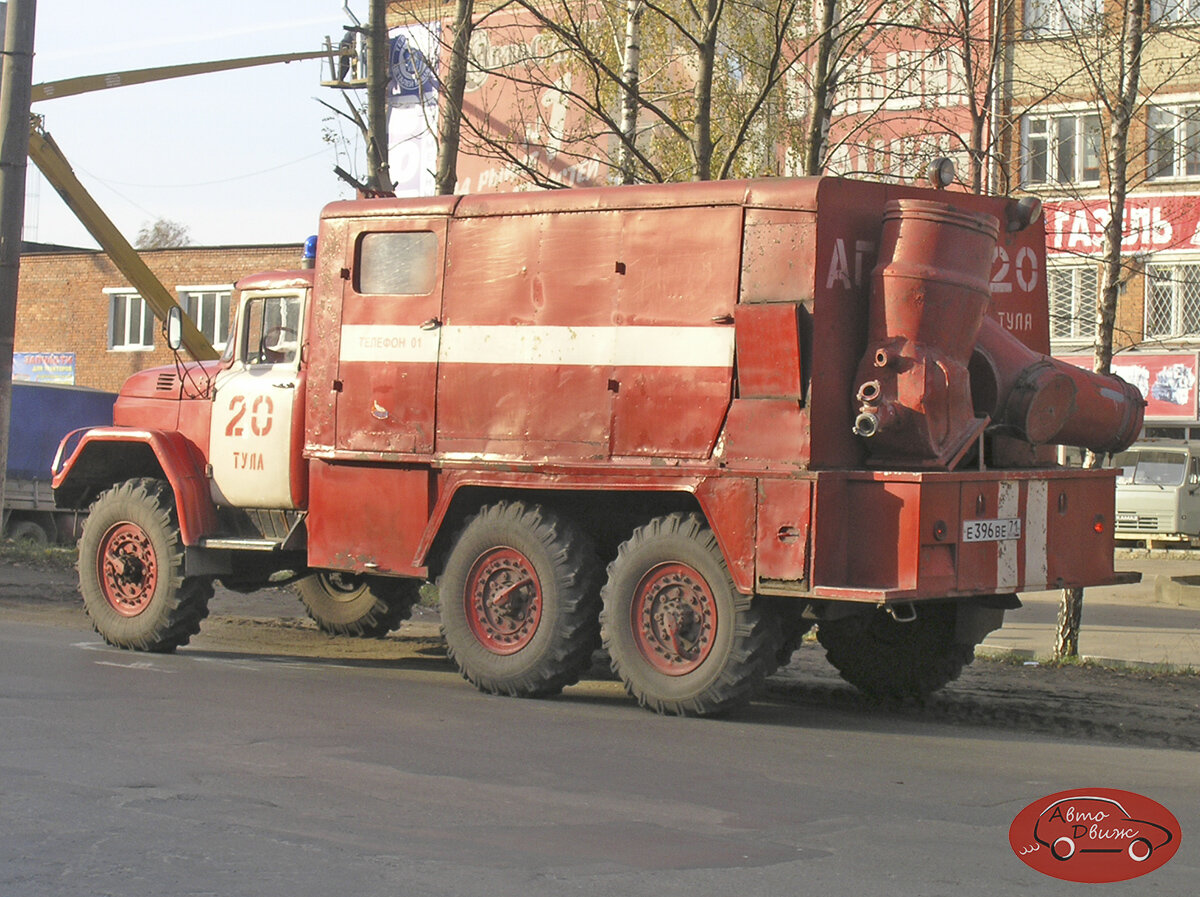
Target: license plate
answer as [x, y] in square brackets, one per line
[1001, 530]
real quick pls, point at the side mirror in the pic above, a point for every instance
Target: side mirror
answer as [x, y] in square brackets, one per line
[175, 328]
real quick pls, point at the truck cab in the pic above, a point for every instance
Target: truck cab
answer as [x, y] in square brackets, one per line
[256, 436]
[1158, 493]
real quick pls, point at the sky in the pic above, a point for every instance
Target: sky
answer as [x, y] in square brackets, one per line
[236, 157]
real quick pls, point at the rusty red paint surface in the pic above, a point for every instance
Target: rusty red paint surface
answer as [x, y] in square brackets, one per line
[929, 294]
[367, 518]
[180, 459]
[900, 536]
[699, 338]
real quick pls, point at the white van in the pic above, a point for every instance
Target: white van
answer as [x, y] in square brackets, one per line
[1158, 493]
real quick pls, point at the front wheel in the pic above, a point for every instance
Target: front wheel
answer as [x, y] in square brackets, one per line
[519, 601]
[131, 570]
[681, 637]
[893, 660]
[362, 606]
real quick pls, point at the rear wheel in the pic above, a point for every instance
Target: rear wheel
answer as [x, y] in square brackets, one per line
[680, 636]
[131, 570]
[893, 660]
[519, 601]
[362, 606]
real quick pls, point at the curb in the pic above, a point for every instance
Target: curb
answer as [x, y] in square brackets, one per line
[994, 652]
[1178, 591]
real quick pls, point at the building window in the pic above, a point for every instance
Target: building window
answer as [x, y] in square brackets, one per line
[130, 322]
[208, 307]
[1073, 290]
[1174, 11]
[1044, 17]
[1061, 149]
[1172, 300]
[1174, 138]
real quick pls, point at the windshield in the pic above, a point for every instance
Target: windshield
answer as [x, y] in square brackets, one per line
[1151, 468]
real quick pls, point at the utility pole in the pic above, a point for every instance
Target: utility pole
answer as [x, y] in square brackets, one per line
[379, 176]
[16, 77]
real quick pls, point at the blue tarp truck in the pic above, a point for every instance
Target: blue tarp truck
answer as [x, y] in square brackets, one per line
[42, 413]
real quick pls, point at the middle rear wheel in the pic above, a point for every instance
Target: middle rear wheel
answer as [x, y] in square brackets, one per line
[681, 637]
[519, 601]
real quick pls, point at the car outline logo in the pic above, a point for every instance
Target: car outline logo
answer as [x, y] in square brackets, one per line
[1097, 827]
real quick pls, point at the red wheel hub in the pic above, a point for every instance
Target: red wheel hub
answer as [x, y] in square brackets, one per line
[674, 617]
[503, 600]
[128, 569]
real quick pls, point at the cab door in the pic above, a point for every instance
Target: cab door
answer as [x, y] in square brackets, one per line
[257, 419]
[391, 318]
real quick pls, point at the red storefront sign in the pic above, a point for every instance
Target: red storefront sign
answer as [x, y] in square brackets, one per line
[1169, 223]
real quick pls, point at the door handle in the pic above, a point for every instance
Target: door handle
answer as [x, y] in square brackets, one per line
[431, 324]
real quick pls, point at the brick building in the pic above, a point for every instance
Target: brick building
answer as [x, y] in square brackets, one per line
[79, 321]
[1059, 151]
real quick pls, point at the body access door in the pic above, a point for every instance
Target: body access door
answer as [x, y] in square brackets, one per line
[391, 307]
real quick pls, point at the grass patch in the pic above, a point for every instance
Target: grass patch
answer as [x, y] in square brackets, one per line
[41, 557]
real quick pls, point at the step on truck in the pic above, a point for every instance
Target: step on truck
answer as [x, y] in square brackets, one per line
[684, 422]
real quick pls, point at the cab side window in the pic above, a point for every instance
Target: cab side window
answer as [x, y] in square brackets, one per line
[397, 264]
[272, 333]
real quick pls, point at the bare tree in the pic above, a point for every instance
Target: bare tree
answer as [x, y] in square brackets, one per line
[824, 86]
[1098, 57]
[631, 70]
[162, 233]
[894, 84]
[650, 90]
[451, 97]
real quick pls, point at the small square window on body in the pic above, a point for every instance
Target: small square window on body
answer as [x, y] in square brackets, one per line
[397, 263]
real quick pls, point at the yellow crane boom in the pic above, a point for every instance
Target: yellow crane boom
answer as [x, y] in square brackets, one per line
[54, 165]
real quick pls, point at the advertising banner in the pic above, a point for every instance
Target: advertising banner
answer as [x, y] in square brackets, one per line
[44, 367]
[1169, 223]
[413, 109]
[1166, 381]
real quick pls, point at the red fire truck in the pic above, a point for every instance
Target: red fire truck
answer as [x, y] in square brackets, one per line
[687, 422]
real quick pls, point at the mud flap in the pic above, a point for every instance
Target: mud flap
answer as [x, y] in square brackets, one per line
[975, 619]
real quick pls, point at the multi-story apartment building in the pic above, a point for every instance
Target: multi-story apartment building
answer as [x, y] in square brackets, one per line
[1064, 71]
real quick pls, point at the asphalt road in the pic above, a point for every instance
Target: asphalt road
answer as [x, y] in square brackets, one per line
[216, 773]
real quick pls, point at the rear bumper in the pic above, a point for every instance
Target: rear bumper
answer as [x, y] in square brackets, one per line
[900, 537]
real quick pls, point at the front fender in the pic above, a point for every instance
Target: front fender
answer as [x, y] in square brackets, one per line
[90, 461]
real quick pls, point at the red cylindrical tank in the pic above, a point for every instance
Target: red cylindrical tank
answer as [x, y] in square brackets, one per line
[1043, 400]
